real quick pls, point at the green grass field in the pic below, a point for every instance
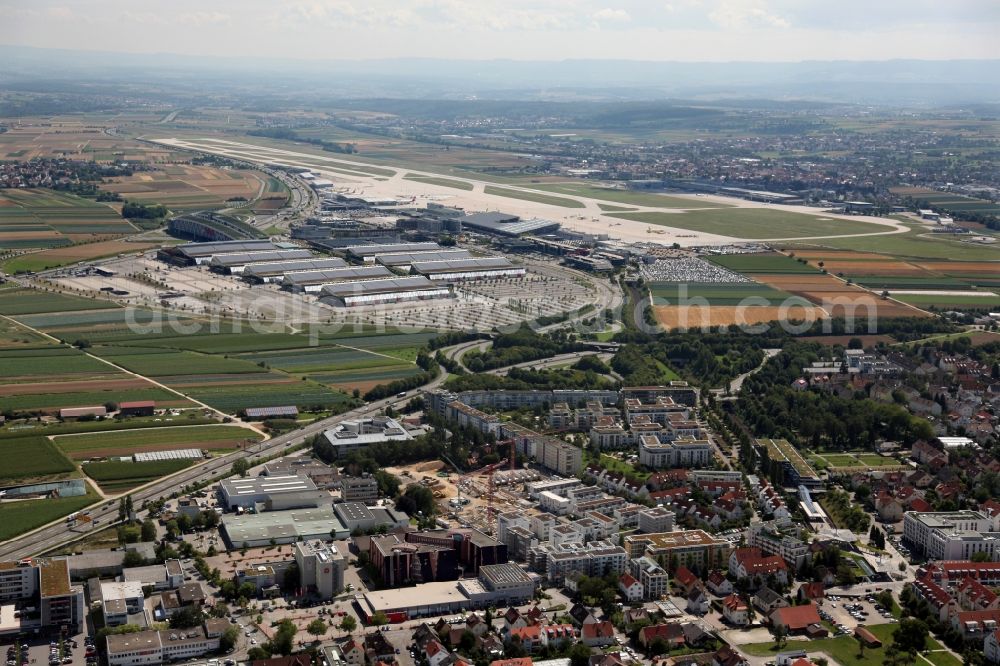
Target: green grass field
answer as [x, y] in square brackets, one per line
[49, 215]
[55, 401]
[843, 649]
[20, 517]
[126, 442]
[31, 301]
[986, 300]
[161, 364]
[631, 197]
[779, 264]
[40, 362]
[754, 223]
[665, 293]
[900, 282]
[915, 244]
[537, 197]
[31, 457]
[443, 182]
[301, 394]
[116, 475]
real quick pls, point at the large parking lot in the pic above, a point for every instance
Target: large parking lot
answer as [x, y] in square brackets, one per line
[846, 613]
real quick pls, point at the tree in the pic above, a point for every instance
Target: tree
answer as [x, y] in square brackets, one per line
[186, 618]
[258, 652]
[467, 641]
[378, 619]
[229, 637]
[240, 467]
[133, 559]
[122, 511]
[780, 632]
[579, 655]
[148, 530]
[657, 646]
[348, 624]
[911, 635]
[129, 508]
[284, 638]
[184, 522]
[317, 627]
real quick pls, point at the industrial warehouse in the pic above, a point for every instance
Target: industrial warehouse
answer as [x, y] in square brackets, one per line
[313, 281]
[369, 253]
[467, 269]
[275, 271]
[235, 264]
[198, 254]
[392, 290]
[405, 259]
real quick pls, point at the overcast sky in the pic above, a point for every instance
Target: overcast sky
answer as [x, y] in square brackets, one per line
[685, 30]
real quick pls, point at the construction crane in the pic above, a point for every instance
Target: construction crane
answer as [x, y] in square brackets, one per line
[488, 472]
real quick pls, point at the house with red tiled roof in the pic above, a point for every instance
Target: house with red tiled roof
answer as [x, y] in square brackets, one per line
[991, 508]
[751, 563]
[685, 580]
[936, 597]
[554, 634]
[598, 634]
[530, 637]
[727, 656]
[920, 504]
[671, 634]
[354, 652]
[802, 619]
[888, 508]
[974, 625]
[973, 595]
[718, 583]
[521, 661]
[697, 601]
[736, 611]
[513, 619]
[630, 587]
[436, 653]
[812, 591]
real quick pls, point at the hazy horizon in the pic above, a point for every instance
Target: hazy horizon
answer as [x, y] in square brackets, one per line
[520, 30]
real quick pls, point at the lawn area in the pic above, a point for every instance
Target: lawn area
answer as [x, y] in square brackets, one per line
[101, 444]
[650, 199]
[304, 395]
[533, 196]
[20, 517]
[53, 402]
[443, 182]
[844, 649]
[755, 223]
[162, 363]
[616, 465]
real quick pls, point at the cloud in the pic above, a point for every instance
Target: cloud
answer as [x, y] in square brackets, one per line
[204, 18]
[742, 14]
[608, 15]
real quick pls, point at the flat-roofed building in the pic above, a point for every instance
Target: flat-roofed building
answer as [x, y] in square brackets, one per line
[358, 434]
[654, 579]
[313, 282]
[781, 455]
[362, 489]
[508, 582]
[192, 254]
[144, 648]
[275, 271]
[359, 516]
[250, 491]
[481, 268]
[594, 558]
[695, 549]
[260, 529]
[321, 567]
[368, 253]
[951, 535]
[235, 264]
[392, 290]
[404, 260]
[660, 453]
[44, 584]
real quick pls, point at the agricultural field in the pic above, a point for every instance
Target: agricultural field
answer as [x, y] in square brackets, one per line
[537, 197]
[443, 182]
[716, 293]
[39, 218]
[837, 298]
[115, 476]
[274, 197]
[629, 197]
[63, 256]
[13, 335]
[762, 263]
[32, 301]
[32, 457]
[46, 379]
[947, 201]
[304, 394]
[947, 300]
[126, 442]
[183, 187]
[755, 223]
[20, 517]
[77, 138]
